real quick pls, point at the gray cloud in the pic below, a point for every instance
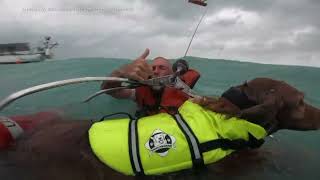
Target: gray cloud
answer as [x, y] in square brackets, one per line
[266, 31]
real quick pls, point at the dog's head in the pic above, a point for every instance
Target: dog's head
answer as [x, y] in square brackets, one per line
[288, 101]
[291, 111]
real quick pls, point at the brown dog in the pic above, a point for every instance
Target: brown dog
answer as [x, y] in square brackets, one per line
[270, 103]
[60, 149]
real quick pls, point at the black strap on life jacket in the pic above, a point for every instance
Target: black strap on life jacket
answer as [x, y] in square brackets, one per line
[114, 114]
[196, 154]
[134, 154]
[133, 143]
[226, 144]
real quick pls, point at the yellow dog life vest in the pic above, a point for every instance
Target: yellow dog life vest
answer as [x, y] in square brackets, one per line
[164, 143]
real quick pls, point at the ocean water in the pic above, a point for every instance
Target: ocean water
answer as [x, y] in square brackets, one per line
[290, 155]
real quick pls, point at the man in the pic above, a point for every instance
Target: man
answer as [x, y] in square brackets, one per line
[151, 101]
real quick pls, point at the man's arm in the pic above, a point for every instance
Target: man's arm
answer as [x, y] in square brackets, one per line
[119, 94]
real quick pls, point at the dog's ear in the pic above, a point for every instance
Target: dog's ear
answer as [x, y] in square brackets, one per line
[242, 86]
[248, 91]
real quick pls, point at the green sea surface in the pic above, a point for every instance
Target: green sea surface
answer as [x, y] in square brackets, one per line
[291, 154]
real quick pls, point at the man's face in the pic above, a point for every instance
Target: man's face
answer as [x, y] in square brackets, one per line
[161, 67]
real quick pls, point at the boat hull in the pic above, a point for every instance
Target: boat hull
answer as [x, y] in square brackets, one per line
[21, 59]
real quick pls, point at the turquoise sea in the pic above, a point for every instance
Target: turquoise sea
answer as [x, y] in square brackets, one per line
[289, 155]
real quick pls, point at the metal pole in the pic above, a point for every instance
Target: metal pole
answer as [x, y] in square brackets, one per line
[5, 102]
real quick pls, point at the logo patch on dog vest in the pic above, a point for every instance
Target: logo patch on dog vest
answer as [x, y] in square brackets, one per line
[160, 143]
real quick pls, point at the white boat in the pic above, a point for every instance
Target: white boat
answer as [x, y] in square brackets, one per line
[17, 53]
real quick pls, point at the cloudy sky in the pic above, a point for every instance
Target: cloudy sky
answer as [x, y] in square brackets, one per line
[266, 31]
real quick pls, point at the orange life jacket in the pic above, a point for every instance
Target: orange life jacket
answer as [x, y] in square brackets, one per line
[166, 100]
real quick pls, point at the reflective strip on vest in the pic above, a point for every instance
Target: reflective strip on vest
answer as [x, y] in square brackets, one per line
[193, 141]
[13, 127]
[133, 148]
[163, 147]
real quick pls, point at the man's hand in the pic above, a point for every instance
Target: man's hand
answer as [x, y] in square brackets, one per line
[138, 70]
[219, 105]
